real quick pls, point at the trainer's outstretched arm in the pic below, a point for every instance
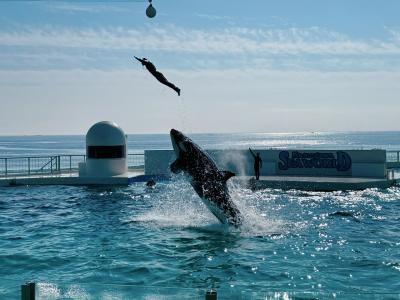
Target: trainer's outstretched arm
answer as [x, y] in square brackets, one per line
[252, 153]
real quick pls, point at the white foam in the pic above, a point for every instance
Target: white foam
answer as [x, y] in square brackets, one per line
[179, 206]
[257, 221]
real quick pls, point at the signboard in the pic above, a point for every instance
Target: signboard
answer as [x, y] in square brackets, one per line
[338, 161]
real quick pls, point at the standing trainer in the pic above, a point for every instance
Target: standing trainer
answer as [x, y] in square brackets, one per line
[257, 163]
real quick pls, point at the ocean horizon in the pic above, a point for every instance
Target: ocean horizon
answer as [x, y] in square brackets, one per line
[75, 144]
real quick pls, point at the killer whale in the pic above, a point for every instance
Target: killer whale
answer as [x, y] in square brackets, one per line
[205, 177]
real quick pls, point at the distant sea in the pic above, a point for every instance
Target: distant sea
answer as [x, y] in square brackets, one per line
[75, 144]
[163, 243]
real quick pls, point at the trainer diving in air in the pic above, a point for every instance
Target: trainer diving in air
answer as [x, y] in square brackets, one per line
[158, 75]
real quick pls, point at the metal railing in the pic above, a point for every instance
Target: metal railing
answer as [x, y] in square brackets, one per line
[135, 160]
[53, 164]
[392, 160]
[393, 155]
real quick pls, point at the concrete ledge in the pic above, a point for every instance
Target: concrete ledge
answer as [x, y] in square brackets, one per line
[393, 165]
[64, 181]
[308, 183]
[145, 178]
[74, 180]
[315, 183]
[363, 163]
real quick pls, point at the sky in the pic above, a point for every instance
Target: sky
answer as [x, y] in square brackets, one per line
[242, 66]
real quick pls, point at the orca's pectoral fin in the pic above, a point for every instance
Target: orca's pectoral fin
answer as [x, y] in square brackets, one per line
[176, 166]
[226, 175]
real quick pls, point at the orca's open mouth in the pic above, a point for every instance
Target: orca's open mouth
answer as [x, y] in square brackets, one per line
[177, 139]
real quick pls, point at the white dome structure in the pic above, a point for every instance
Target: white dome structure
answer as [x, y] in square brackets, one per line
[105, 150]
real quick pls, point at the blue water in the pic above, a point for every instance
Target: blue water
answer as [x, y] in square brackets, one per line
[135, 243]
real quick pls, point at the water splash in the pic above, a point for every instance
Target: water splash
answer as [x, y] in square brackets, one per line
[180, 206]
[258, 220]
[233, 161]
[177, 206]
[183, 114]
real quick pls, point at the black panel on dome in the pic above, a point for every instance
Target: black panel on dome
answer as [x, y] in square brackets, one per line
[106, 151]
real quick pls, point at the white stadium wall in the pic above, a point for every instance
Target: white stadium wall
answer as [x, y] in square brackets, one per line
[335, 163]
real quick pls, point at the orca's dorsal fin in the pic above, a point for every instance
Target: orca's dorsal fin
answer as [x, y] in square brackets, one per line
[226, 175]
[176, 166]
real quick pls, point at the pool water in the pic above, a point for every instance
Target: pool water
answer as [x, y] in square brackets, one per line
[139, 243]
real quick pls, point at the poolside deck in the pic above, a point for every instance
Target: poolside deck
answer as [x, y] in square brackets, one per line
[72, 178]
[309, 183]
[313, 183]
